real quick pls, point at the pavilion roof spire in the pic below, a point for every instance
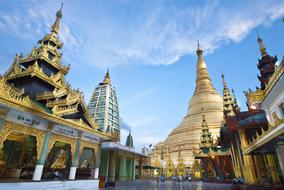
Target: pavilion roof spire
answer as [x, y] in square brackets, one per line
[206, 138]
[261, 46]
[55, 26]
[107, 77]
[227, 99]
[235, 102]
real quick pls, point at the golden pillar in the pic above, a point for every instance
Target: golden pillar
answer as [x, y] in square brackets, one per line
[235, 161]
[248, 170]
[271, 166]
[248, 167]
[260, 168]
[257, 168]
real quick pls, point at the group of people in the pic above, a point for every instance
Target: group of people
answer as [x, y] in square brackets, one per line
[175, 178]
[178, 179]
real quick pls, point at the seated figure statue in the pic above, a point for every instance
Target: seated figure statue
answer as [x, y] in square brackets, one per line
[60, 160]
[84, 165]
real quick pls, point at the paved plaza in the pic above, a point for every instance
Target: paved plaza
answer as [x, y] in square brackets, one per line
[168, 185]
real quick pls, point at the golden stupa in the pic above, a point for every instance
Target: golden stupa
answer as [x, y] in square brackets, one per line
[186, 137]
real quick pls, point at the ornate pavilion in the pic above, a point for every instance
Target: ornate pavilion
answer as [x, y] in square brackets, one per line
[256, 136]
[46, 131]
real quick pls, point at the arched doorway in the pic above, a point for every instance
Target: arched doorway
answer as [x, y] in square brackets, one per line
[86, 165]
[18, 156]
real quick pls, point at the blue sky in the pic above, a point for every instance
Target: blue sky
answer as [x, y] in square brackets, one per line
[149, 47]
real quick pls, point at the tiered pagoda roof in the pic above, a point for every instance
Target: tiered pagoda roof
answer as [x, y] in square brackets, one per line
[41, 77]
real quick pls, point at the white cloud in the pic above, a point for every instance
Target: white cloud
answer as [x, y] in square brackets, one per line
[156, 33]
[145, 138]
[139, 96]
[36, 18]
[169, 31]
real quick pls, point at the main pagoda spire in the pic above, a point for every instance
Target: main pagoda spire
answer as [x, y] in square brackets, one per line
[228, 103]
[266, 64]
[203, 80]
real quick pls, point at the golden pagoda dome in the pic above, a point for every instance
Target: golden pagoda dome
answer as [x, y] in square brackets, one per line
[188, 132]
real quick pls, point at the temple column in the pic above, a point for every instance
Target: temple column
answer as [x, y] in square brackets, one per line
[122, 172]
[43, 155]
[279, 148]
[258, 168]
[2, 162]
[140, 169]
[133, 169]
[218, 168]
[75, 160]
[112, 166]
[261, 166]
[98, 162]
[130, 169]
[272, 168]
[104, 165]
[249, 173]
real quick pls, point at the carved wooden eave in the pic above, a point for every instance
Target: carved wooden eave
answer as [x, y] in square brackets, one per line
[33, 71]
[12, 94]
[264, 137]
[56, 93]
[65, 110]
[52, 38]
[69, 100]
[256, 96]
[41, 53]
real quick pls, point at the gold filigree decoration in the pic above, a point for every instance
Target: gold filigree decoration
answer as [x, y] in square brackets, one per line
[279, 70]
[86, 144]
[276, 119]
[254, 98]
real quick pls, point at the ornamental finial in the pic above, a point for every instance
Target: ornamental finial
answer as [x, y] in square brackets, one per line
[198, 51]
[55, 26]
[107, 77]
[224, 81]
[261, 46]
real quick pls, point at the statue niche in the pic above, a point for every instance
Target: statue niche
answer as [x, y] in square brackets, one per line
[59, 162]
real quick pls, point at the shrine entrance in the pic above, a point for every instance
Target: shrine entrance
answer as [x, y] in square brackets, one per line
[18, 156]
[58, 162]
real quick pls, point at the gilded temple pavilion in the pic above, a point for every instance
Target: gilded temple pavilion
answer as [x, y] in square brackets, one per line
[45, 126]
